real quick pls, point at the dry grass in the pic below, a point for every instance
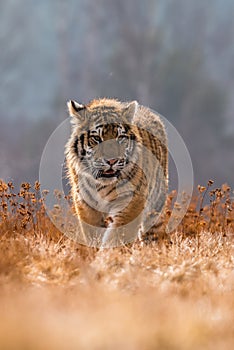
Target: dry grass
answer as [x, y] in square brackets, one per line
[176, 293]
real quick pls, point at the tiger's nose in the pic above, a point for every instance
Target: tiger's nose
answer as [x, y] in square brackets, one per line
[111, 161]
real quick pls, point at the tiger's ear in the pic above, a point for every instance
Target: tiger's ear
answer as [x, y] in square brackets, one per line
[76, 110]
[130, 110]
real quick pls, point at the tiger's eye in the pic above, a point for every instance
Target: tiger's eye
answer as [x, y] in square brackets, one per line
[122, 138]
[96, 138]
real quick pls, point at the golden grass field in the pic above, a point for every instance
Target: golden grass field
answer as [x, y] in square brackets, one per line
[174, 293]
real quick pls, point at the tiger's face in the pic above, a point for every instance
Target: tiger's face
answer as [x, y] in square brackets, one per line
[106, 150]
[103, 141]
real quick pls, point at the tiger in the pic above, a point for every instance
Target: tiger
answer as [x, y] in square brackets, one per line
[117, 166]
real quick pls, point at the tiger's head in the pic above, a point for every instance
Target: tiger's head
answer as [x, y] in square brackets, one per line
[103, 139]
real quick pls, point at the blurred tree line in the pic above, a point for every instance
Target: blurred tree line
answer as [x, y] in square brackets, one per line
[174, 56]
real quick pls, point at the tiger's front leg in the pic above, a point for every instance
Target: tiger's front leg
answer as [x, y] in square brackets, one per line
[114, 235]
[123, 227]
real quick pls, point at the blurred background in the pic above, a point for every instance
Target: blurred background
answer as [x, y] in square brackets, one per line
[175, 56]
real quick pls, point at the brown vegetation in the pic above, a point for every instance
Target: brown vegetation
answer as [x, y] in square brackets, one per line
[175, 293]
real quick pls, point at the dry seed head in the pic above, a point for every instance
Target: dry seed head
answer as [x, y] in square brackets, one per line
[26, 186]
[45, 192]
[201, 188]
[3, 186]
[22, 193]
[4, 205]
[37, 186]
[225, 188]
[10, 185]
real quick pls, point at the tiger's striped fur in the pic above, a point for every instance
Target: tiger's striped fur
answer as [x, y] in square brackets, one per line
[117, 163]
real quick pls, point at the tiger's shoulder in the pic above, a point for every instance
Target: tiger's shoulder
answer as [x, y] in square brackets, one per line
[148, 120]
